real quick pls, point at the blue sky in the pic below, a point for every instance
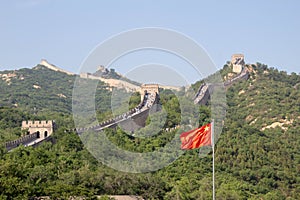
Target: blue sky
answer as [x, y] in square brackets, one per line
[65, 32]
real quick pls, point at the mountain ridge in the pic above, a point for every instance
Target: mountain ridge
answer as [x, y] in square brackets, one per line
[256, 156]
[45, 63]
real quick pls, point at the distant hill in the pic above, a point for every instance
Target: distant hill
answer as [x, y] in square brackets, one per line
[36, 89]
[259, 146]
[40, 89]
[269, 99]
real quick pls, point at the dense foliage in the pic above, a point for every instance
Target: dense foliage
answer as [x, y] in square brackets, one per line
[37, 90]
[41, 90]
[253, 160]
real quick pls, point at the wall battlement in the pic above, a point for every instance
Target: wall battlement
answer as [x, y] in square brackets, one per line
[238, 62]
[23, 140]
[135, 118]
[150, 88]
[42, 128]
[35, 132]
[37, 124]
[45, 63]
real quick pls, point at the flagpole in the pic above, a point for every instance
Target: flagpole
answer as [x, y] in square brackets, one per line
[213, 155]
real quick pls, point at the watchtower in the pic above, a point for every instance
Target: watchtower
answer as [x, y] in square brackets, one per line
[42, 128]
[238, 62]
[150, 89]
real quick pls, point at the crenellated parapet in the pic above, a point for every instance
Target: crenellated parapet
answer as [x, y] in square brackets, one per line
[203, 94]
[34, 132]
[37, 124]
[136, 117]
[23, 140]
[244, 75]
[151, 89]
[42, 128]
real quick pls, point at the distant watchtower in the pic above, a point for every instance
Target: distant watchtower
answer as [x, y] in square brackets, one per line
[42, 128]
[238, 62]
[150, 88]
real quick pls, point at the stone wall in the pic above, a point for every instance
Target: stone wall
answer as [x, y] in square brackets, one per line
[117, 83]
[53, 67]
[23, 140]
[138, 120]
[244, 75]
[132, 119]
[204, 91]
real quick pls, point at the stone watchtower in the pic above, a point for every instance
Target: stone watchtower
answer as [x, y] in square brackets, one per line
[238, 62]
[42, 128]
[149, 88]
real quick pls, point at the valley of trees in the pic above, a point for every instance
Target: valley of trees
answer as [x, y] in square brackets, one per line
[251, 162]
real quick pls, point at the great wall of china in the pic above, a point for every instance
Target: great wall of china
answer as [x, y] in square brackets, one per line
[35, 132]
[40, 131]
[203, 94]
[134, 118]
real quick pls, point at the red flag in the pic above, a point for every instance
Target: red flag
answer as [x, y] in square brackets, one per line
[196, 138]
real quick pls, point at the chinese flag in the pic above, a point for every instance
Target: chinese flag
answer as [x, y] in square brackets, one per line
[196, 138]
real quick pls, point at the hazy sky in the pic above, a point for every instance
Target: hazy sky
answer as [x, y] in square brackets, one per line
[64, 32]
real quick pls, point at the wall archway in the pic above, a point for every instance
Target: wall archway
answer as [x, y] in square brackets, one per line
[38, 134]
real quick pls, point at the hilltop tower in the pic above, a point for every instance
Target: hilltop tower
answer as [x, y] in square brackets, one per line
[238, 62]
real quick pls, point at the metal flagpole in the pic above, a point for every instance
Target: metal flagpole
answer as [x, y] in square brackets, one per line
[213, 155]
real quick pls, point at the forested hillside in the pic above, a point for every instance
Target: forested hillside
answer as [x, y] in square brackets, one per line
[42, 90]
[36, 90]
[257, 154]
